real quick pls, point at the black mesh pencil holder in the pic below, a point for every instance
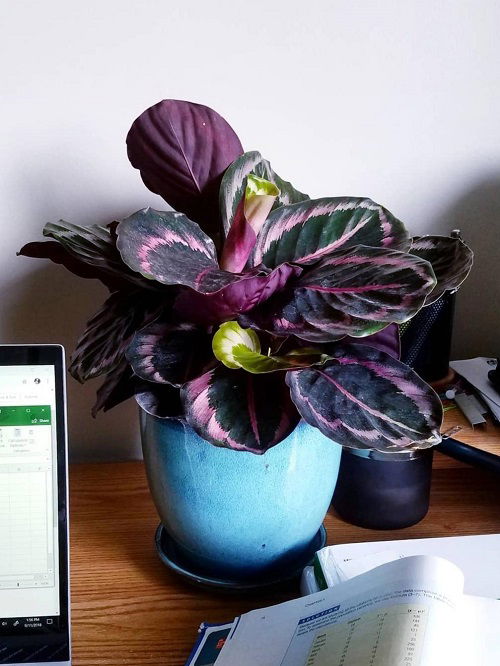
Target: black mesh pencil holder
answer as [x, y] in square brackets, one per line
[426, 339]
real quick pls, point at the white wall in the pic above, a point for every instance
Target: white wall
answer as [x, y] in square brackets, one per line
[395, 100]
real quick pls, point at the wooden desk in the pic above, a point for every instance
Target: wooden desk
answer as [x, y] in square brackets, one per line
[129, 609]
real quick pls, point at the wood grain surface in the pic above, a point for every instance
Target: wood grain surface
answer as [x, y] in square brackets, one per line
[129, 609]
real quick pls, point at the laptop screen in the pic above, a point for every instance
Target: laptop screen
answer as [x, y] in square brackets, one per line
[33, 528]
[29, 576]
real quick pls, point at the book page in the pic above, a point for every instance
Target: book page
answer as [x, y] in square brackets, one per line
[349, 559]
[399, 614]
[481, 628]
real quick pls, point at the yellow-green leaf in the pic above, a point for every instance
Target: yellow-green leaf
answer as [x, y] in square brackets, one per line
[239, 348]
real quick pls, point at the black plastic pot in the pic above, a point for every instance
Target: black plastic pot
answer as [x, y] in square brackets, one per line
[383, 491]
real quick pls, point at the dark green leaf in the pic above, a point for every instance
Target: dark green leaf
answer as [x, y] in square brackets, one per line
[367, 399]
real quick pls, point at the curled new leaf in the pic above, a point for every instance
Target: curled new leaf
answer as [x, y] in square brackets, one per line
[182, 149]
[306, 232]
[237, 410]
[234, 183]
[366, 399]
[450, 258]
[249, 217]
[239, 347]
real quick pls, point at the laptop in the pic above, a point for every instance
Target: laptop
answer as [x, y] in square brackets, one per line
[34, 570]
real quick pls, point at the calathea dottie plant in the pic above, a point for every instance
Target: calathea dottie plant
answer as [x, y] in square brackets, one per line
[249, 305]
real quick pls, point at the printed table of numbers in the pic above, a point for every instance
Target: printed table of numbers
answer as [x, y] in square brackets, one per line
[390, 636]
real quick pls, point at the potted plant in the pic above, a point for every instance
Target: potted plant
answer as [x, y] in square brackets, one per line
[250, 320]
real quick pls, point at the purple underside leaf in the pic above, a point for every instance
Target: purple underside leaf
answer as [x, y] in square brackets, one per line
[182, 149]
[237, 298]
[102, 345]
[355, 291]
[306, 232]
[238, 410]
[367, 399]
[233, 185]
[450, 258]
[169, 353]
[171, 249]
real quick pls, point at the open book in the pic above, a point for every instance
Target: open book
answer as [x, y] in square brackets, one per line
[410, 612]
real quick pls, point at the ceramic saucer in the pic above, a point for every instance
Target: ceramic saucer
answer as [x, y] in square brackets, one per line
[170, 556]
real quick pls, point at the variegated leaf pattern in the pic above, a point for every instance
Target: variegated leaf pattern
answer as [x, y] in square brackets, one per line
[355, 291]
[306, 232]
[169, 248]
[234, 183]
[238, 410]
[169, 353]
[108, 333]
[251, 289]
[450, 258]
[94, 245]
[366, 399]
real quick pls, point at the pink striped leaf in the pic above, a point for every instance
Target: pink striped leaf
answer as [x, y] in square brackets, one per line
[182, 149]
[354, 291]
[366, 399]
[168, 353]
[234, 183]
[306, 232]
[450, 258]
[171, 249]
[238, 410]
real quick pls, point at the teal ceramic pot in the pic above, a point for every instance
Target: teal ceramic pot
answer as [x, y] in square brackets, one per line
[236, 513]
